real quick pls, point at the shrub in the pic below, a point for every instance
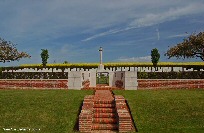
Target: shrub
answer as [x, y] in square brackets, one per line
[119, 84]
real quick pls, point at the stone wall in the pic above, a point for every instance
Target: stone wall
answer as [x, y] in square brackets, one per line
[170, 83]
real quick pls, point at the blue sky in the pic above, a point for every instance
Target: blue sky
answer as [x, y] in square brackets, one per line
[73, 30]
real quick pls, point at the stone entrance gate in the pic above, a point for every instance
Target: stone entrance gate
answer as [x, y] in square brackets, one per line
[121, 79]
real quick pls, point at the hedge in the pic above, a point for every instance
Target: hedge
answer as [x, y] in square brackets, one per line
[171, 75]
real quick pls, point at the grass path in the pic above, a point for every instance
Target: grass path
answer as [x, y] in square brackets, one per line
[55, 111]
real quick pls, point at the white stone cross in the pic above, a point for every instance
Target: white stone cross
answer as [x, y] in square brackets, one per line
[101, 51]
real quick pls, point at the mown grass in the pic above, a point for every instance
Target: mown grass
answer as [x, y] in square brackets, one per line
[179, 111]
[56, 111]
[51, 111]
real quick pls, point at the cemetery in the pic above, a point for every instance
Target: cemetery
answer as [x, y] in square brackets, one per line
[106, 108]
[102, 66]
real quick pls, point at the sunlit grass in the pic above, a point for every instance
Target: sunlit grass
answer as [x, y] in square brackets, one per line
[167, 110]
[51, 111]
[56, 111]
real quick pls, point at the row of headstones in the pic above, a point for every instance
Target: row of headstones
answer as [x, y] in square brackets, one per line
[139, 69]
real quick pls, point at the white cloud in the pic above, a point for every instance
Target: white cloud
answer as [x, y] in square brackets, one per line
[135, 59]
[113, 31]
[169, 15]
[158, 34]
[178, 35]
[150, 19]
[53, 23]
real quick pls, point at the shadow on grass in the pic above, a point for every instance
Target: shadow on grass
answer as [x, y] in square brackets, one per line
[134, 123]
[76, 126]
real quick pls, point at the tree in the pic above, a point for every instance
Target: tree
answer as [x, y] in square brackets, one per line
[191, 47]
[9, 52]
[155, 57]
[44, 56]
[65, 62]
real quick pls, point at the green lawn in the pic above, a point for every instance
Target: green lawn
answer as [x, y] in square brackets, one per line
[56, 111]
[51, 111]
[170, 111]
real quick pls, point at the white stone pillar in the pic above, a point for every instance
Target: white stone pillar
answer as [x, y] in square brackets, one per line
[75, 80]
[131, 80]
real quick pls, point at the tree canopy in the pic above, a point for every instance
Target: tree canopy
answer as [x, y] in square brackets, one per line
[9, 52]
[44, 55]
[191, 47]
[155, 56]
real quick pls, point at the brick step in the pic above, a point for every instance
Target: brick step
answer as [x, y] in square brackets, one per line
[104, 126]
[104, 101]
[105, 120]
[104, 131]
[104, 110]
[102, 88]
[104, 115]
[112, 105]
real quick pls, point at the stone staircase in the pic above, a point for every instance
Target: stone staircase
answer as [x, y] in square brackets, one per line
[104, 112]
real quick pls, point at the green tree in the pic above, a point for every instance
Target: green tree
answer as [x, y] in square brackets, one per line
[65, 62]
[44, 56]
[155, 57]
[9, 52]
[191, 47]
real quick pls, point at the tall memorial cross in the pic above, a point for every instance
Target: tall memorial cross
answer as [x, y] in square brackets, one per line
[101, 52]
[101, 66]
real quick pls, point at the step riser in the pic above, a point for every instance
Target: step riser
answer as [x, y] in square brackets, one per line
[104, 105]
[105, 120]
[104, 115]
[104, 110]
[104, 102]
[104, 127]
[102, 88]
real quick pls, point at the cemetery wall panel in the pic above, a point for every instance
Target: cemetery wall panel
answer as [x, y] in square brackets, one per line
[33, 84]
[63, 84]
[170, 83]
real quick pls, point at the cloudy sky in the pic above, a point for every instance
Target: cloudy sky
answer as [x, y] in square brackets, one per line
[73, 30]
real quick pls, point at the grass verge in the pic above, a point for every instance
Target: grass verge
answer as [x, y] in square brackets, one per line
[56, 111]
